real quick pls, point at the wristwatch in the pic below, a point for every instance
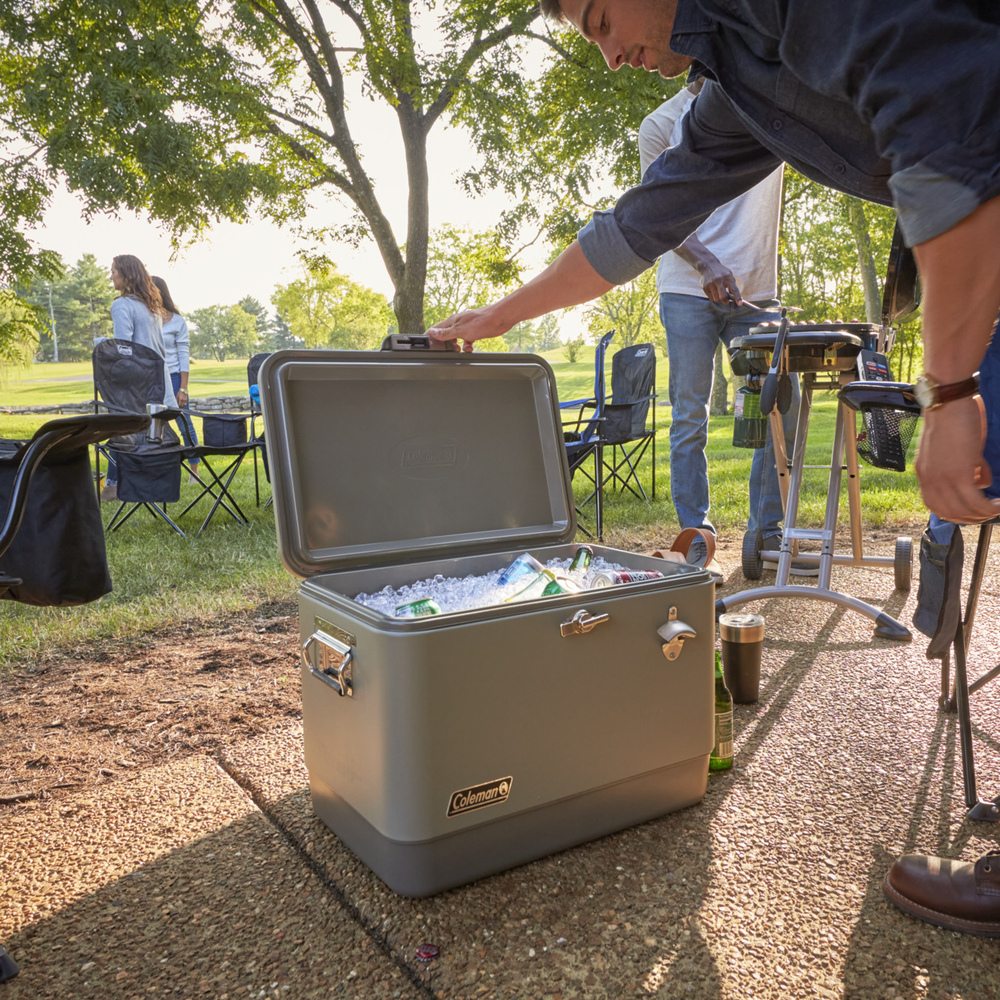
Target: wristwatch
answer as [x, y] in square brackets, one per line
[931, 394]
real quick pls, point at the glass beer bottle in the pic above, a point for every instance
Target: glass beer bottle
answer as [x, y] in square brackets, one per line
[721, 758]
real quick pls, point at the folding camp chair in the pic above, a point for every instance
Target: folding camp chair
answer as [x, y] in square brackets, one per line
[633, 390]
[130, 379]
[52, 550]
[583, 437]
[223, 436]
[257, 436]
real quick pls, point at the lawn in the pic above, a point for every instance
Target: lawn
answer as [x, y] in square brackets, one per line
[161, 580]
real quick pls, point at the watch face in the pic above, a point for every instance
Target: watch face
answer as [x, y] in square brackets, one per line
[924, 393]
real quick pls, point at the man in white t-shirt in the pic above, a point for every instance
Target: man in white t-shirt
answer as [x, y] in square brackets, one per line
[732, 259]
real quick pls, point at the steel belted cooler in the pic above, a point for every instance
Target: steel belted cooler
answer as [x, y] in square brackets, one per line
[444, 748]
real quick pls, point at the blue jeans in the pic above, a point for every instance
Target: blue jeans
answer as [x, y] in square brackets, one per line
[694, 326]
[185, 425]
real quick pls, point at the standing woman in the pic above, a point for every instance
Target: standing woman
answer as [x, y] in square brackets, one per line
[178, 348]
[137, 315]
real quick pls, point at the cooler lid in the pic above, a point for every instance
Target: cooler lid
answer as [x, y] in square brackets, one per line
[385, 457]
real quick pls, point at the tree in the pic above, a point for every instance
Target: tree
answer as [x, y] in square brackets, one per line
[250, 305]
[630, 310]
[221, 331]
[77, 305]
[466, 270]
[326, 309]
[19, 325]
[196, 110]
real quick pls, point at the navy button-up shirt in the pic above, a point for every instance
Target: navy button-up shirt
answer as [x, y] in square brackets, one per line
[895, 101]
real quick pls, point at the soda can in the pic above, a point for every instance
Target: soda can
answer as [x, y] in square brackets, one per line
[581, 560]
[524, 567]
[535, 588]
[616, 577]
[561, 585]
[418, 609]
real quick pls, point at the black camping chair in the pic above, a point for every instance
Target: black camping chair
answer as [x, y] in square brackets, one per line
[633, 395]
[257, 436]
[130, 379]
[583, 436]
[52, 551]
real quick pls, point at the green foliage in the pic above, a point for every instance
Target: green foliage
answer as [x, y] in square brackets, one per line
[19, 325]
[630, 310]
[222, 331]
[574, 348]
[326, 309]
[79, 307]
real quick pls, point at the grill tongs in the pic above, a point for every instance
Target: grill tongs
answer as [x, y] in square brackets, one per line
[777, 386]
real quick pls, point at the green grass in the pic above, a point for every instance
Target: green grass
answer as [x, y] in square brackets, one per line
[161, 580]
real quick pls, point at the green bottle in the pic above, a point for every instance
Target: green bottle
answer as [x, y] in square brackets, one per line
[722, 753]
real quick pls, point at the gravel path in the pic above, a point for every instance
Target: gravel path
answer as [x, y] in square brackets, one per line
[208, 875]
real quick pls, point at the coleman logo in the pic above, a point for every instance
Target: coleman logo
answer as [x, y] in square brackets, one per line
[479, 796]
[415, 456]
[125, 350]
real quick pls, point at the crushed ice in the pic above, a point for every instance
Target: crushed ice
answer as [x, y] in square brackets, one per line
[465, 593]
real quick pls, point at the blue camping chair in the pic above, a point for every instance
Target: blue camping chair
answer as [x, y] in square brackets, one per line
[582, 431]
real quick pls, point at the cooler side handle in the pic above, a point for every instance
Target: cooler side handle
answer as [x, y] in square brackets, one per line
[317, 657]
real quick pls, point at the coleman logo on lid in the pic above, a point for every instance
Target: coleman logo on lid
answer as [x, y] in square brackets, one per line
[479, 796]
[418, 456]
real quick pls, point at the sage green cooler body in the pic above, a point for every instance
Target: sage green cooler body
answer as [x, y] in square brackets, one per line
[445, 748]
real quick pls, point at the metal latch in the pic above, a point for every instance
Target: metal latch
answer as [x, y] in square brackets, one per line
[318, 653]
[582, 621]
[673, 634]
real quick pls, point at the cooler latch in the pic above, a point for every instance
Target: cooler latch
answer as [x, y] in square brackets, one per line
[582, 621]
[318, 654]
[673, 634]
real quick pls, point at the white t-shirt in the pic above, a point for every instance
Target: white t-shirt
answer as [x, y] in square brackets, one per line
[743, 233]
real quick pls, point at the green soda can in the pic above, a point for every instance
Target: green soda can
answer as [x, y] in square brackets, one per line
[561, 585]
[418, 609]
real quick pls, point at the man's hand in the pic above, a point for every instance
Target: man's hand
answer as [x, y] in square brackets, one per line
[960, 273]
[719, 284]
[468, 327]
[950, 463]
[717, 281]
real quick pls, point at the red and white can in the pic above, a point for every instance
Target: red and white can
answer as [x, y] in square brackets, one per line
[615, 577]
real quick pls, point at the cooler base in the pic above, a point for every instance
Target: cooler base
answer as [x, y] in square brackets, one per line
[428, 867]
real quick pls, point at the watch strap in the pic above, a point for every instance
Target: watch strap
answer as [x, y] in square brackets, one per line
[957, 390]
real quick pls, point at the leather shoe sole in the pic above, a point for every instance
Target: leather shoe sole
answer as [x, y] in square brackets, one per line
[955, 895]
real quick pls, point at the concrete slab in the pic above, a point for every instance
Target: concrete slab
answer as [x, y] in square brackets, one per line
[771, 887]
[176, 885]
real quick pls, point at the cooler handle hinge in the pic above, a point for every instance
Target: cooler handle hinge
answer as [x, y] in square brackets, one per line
[340, 676]
[582, 621]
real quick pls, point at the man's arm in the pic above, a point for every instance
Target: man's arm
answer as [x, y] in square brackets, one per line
[568, 281]
[960, 273]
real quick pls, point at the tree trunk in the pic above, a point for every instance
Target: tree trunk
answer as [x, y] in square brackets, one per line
[866, 262]
[719, 406]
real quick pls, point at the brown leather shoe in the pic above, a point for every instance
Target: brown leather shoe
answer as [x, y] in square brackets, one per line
[956, 895]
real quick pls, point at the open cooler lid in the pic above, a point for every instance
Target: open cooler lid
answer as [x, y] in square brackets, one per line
[386, 457]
